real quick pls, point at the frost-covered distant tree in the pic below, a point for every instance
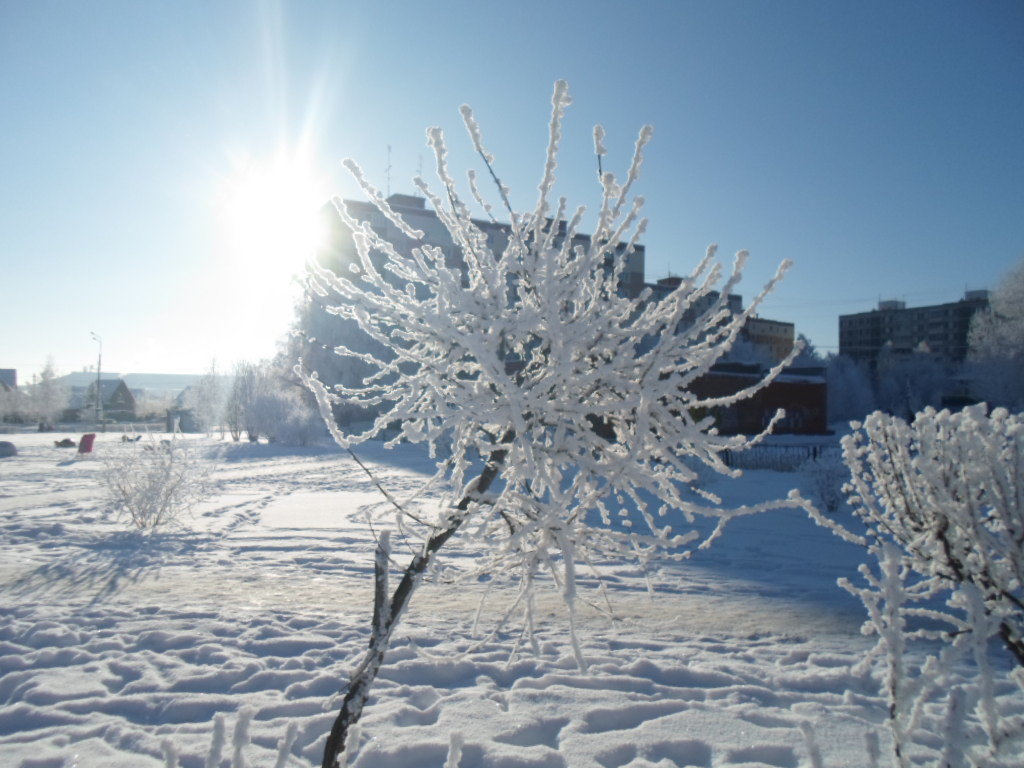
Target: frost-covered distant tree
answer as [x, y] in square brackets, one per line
[206, 399]
[996, 344]
[565, 411]
[910, 383]
[825, 476]
[942, 499]
[239, 408]
[151, 405]
[850, 392]
[1000, 331]
[12, 404]
[282, 412]
[264, 401]
[48, 397]
[809, 355]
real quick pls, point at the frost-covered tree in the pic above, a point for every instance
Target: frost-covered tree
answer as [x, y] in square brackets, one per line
[949, 489]
[996, 344]
[909, 383]
[942, 499]
[11, 404]
[282, 412]
[264, 401]
[999, 332]
[239, 408]
[825, 476]
[809, 355]
[850, 393]
[48, 397]
[150, 405]
[562, 411]
[206, 399]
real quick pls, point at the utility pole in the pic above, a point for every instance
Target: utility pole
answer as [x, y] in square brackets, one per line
[99, 393]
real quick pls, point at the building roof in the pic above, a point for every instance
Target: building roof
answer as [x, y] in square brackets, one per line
[152, 383]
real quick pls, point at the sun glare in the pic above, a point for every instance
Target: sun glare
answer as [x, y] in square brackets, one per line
[270, 223]
[271, 215]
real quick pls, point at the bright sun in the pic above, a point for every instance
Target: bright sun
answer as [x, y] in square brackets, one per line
[270, 222]
[271, 215]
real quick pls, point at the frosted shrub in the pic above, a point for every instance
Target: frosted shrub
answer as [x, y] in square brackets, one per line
[565, 408]
[942, 499]
[825, 476]
[285, 417]
[948, 488]
[996, 344]
[155, 483]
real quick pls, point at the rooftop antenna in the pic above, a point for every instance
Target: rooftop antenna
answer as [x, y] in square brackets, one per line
[389, 170]
[419, 165]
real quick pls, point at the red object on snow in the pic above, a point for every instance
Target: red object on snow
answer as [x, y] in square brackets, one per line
[85, 444]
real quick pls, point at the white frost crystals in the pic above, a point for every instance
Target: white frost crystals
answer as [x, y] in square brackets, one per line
[534, 353]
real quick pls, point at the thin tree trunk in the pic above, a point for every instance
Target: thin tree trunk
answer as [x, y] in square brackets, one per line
[387, 613]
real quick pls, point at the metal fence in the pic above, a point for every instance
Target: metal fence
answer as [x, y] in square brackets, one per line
[780, 458]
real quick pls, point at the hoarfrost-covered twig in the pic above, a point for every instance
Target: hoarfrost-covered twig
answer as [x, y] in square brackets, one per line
[216, 743]
[240, 739]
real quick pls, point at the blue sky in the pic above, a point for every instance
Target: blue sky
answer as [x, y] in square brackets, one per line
[879, 145]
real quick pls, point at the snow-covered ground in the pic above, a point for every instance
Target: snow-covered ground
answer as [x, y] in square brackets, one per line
[112, 644]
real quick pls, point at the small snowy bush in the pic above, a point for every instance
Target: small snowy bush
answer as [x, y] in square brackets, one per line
[826, 474]
[942, 499]
[155, 483]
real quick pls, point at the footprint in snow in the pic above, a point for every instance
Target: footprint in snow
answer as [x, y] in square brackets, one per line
[545, 733]
[773, 755]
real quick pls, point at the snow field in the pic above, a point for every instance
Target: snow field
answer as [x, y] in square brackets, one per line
[111, 644]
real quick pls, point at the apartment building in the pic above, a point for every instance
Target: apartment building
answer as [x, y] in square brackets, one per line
[941, 329]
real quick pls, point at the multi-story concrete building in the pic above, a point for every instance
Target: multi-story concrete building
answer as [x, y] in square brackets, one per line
[775, 335]
[940, 330]
[666, 285]
[414, 210]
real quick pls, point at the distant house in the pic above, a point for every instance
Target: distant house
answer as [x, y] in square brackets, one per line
[117, 401]
[801, 392]
[151, 392]
[8, 379]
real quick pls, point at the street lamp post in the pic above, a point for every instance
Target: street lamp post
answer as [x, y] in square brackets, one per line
[99, 393]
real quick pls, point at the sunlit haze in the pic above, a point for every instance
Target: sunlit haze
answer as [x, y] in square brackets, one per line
[161, 164]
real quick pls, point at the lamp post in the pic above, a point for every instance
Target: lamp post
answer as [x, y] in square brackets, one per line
[99, 393]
